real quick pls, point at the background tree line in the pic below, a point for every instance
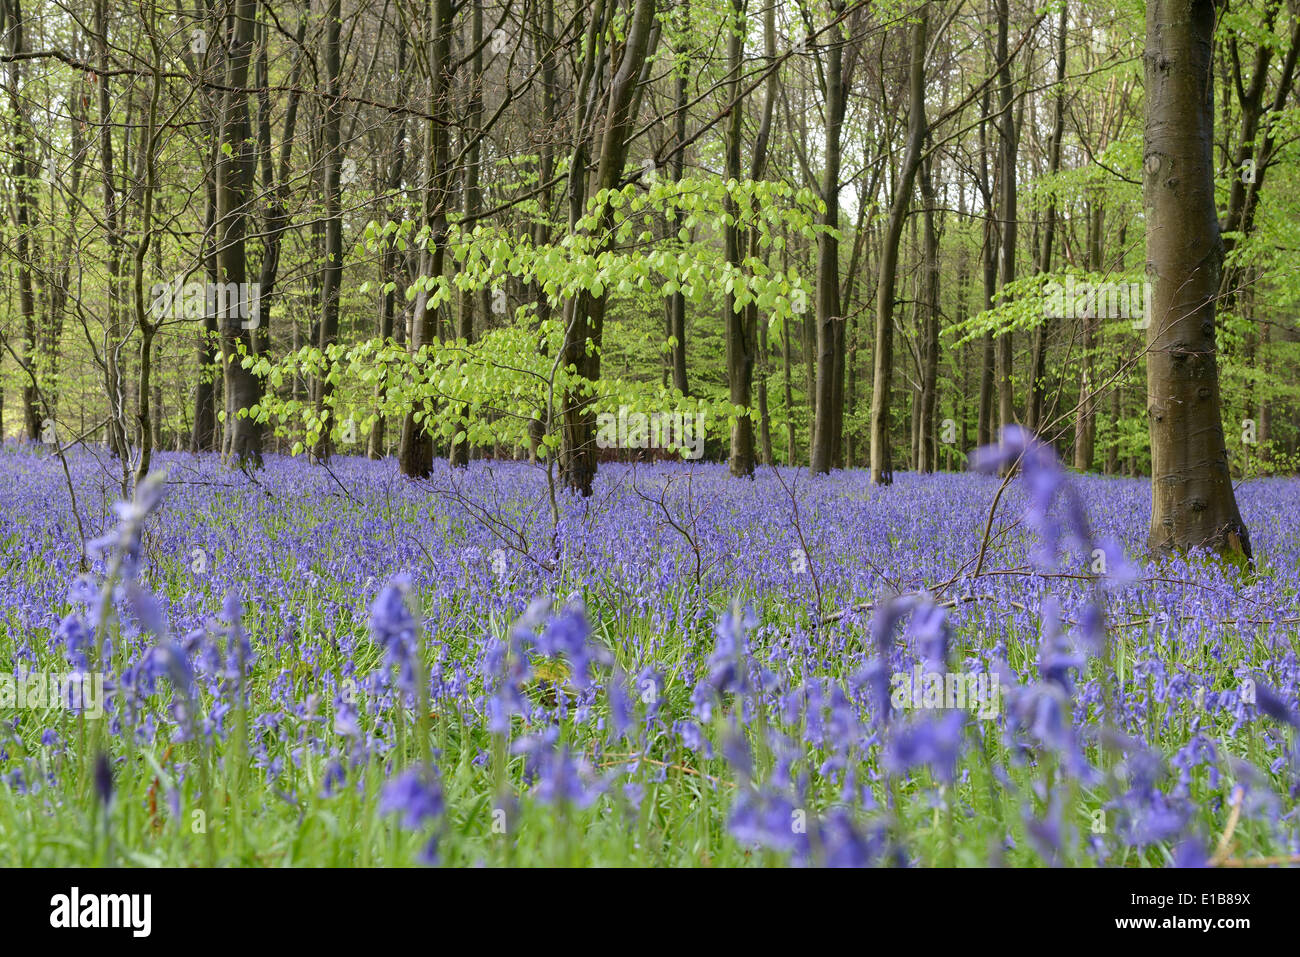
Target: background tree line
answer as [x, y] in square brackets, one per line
[472, 226]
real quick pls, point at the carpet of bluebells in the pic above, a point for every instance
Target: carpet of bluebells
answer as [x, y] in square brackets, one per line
[313, 665]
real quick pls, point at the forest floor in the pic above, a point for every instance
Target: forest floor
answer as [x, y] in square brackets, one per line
[320, 666]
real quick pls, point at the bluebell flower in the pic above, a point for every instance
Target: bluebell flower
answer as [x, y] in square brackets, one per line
[239, 651]
[171, 661]
[622, 712]
[767, 818]
[123, 542]
[888, 615]
[735, 748]
[728, 663]
[929, 628]
[1271, 703]
[78, 640]
[932, 742]
[146, 609]
[103, 779]
[1191, 853]
[1043, 478]
[1046, 834]
[1055, 659]
[415, 794]
[559, 777]
[568, 635]
[692, 738]
[843, 845]
[393, 628]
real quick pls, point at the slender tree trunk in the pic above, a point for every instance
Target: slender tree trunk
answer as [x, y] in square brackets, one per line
[989, 272]
[739, 334]
[757, 170]
[1116, 411]
[1038, 358]
[677, 301]
[791, 452]
[929, 309]
[114, 383]
[145, 431]
[881, 464]
[808, 337]
[1085, 431]
[415, 454]
[469, 300]
[275, 177]
[830, 324]
[332, 267]
[1265, 407]
[24, 216]
[235, 170]
[389, 264]
[586, 315]
[204, 433]
[1009, 137]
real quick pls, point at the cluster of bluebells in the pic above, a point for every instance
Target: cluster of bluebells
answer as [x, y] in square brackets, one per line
[341, 637]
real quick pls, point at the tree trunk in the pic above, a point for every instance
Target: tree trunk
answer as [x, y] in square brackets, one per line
[332, 266]
[24, 218]
[830, 324]
[1192, 500]
[1085, 430]
[1009, 137]
[235, 169]
[471, 300]
[677, 301]
[929, 310]
[741, 344]
[204, 434]
[1038, 358]
[757, 170]
[989, 271]
[388, 269]
[415, 453]
[586, 315]
[881, 459]
[145, 425]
